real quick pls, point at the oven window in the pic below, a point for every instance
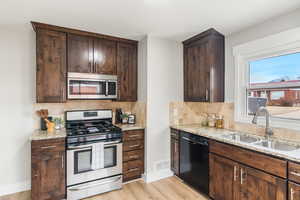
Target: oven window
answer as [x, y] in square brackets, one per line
[92, 87]
[110, 156]
[112, 88]
[83, 161]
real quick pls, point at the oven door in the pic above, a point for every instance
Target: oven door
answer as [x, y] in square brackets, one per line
[79, 163]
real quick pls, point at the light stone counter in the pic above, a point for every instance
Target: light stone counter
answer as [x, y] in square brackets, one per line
[44, 135]
[129, 127]
[217, 134]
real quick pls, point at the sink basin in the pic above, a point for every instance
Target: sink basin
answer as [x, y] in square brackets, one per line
[241, 138]
[277, 145]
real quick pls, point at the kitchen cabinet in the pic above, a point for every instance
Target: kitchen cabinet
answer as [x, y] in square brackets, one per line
[48, 169]
[91, 55]
[51, 66]
[204, 67]
[224, 178]
[256, 184]
[175, 151]
[127, 71]
[294, 191]
[133, 154]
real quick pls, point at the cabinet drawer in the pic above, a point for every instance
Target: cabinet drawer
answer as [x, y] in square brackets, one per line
[128, 176]
[133, 145]
[294, 172]
[132, 166]
[51, 145]
[257, 160]
[133, 135]
[133, 155]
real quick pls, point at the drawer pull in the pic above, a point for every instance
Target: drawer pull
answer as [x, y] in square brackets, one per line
[292, 194]
[48, 147]
[131, 136]
[295, 173]
[235, 173]
[134, 169]
[132, 146]
[133, 156]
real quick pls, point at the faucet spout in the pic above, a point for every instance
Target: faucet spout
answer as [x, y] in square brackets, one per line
[260, 111]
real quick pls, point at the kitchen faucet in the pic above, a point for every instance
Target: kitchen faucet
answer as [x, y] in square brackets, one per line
[264, 110]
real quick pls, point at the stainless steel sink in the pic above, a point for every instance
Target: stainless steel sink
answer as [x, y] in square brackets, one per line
[277, 145]
[241, 138]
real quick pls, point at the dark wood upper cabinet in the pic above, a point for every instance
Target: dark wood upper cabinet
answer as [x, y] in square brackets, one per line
[80, 54]
[105, 56]
[127, 71]
[224, 178]
[204, 67]
[256, 184]
[51, 66]
[48, 169]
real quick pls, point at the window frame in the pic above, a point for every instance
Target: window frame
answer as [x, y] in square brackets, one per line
[283, 43]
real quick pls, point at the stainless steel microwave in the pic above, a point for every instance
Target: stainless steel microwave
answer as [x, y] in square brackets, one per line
[92, 86]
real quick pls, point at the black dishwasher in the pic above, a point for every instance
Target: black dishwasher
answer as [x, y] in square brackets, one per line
[194, 161]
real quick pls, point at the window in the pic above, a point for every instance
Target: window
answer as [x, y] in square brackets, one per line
[274, 82]
[267, 73]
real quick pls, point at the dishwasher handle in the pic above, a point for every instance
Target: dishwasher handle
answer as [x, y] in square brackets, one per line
[203, 142]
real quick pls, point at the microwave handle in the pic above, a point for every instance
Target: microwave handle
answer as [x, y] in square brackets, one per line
[106, 88]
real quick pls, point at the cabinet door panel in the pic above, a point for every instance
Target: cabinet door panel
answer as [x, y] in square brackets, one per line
[224, 176]
[51, 66]
[196, 72]
[80, 54]
[175, 156]
[105, 56]
[294, 191]
[48, 178]
[127, 71]
[258, 185]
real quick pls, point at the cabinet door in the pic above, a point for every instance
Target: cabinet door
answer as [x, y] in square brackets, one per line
[196, 72]
[51, 66]
[127, 71]
[224, 178]
[175, 156]
[80, 54]
[259, 185]
[294, 191]
[105, 56]
[48, 176]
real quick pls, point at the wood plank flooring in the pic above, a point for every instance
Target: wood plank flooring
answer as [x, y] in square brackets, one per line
[166, 189]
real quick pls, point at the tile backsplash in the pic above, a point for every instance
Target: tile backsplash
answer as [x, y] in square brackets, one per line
[182, 113]
[58, 109]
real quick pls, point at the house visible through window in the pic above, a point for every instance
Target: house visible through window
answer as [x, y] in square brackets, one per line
[275, 83]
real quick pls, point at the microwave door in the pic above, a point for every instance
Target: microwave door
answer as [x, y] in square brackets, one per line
[111, 89]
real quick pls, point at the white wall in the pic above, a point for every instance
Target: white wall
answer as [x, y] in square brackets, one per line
[17, 78]
[276, 25]
[164, 84]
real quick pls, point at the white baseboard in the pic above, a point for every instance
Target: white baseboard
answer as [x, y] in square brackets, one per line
[157, 175]
[14, 188]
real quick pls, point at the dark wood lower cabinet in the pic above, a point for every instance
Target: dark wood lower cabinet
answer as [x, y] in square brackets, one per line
[175, 152]
[294, 191]
[224, 178]
[48, 170]
[257, 185]
[133, 154]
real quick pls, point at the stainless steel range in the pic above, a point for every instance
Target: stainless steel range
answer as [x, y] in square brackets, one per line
[94, 153]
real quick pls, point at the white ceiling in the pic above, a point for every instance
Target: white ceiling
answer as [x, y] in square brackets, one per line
[173, 19]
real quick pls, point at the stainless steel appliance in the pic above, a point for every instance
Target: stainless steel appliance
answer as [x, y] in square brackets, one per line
[92, 86]
[86, 130]
[194, 161]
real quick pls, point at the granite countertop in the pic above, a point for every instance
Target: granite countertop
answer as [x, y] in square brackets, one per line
[129, 127]
[217, 134]
[44, 135]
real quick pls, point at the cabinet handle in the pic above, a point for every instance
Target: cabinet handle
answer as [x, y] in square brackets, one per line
[133, 156]
[295, 173]
[235, 173]
[175, 148]
[206, 94]
[132, 146]
[242, 176]
[62, 162]
[292, 194]
[134, 169]
[48, 147]
[131, 136]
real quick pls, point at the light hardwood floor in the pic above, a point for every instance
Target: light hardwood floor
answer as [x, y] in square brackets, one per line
[166, 189]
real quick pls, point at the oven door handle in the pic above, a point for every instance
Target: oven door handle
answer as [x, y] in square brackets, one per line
[90, 147]
[95, 185]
